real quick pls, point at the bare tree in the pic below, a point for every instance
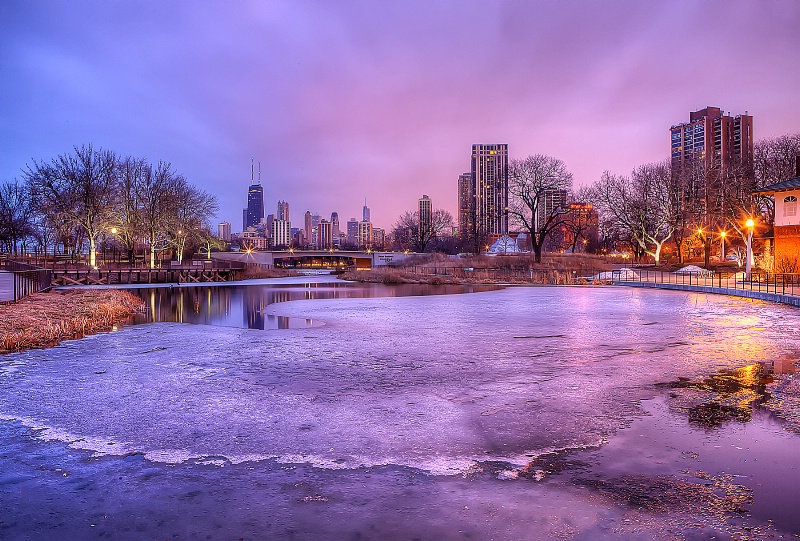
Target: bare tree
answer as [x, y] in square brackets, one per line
[79, 189]
[641, 204]
[207, 242]
[16, 216]
[416, 235]
[532, 184]
[125, 226]
[156, 194]
[193, 210]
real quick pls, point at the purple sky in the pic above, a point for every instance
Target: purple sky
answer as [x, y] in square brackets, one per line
[342, 100]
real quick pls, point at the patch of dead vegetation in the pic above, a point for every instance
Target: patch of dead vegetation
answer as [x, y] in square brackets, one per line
[45, 319]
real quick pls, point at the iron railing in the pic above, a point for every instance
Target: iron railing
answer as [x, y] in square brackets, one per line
[765, 282]
[26, 280]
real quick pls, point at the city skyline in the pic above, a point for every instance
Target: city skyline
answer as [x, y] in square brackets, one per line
[144, 80]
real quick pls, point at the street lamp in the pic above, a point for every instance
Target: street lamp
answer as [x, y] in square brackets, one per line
[722, 235]
[749, 266]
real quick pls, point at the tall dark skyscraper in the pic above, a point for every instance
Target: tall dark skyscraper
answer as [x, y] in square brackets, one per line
[490, 188]
[255, 199]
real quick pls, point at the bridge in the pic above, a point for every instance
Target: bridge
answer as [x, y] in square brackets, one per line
[321, 259]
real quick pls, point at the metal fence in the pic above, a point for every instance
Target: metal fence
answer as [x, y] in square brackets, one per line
[26, 279]
[764, 282]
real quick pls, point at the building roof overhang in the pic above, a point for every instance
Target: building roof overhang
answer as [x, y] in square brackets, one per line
[786, 185]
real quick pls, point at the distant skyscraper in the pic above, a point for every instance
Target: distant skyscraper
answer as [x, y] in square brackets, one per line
[365, 212]
[255, 200]
[552, 200]
[352, 232]
[268, 222]
[425, 212]
[466, 205]
[365, 239]
[335, 226]
[224, 231]
[283, 210]
[324, 235]
[490, 186]
[281, 233]
[308, 227]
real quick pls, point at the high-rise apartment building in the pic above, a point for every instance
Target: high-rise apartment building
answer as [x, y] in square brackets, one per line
[324, 238]
[466, 205]
[365, 239]
[283, 211]
[490, 187]
[425, 212]
[224, 231]
[352, 232]
[714, 138]
[552, 201]
[378, 238]
[281, 233]
[704, 150]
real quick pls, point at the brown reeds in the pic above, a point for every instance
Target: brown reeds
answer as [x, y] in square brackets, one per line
[45, 319]
[253, 272]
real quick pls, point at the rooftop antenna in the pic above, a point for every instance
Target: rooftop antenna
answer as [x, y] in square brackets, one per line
[251, 171]
[259, 172]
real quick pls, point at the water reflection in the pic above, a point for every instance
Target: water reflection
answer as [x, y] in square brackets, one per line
[243, 306]
[728, 395]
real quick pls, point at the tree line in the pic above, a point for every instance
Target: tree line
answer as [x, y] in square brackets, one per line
[83, 197]
[654, 206]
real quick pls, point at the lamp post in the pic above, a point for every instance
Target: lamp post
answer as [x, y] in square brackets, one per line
[722, 235]
[749, 265]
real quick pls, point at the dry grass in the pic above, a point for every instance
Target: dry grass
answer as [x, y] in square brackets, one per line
[550, 261]
[253, 272]
[45, 319]
[386, 275]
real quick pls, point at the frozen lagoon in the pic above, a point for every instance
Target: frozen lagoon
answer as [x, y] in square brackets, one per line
[483, 416]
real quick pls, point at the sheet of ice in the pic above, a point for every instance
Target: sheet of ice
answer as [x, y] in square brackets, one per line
[436, 383]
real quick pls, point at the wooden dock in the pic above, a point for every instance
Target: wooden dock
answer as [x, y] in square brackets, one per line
[79, 277]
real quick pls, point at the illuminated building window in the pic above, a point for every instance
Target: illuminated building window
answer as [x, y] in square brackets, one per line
[790, 206]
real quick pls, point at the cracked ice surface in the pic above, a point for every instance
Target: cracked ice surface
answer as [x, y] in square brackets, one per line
[436, 383]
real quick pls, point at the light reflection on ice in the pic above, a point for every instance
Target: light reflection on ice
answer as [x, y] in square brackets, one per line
[435, 383]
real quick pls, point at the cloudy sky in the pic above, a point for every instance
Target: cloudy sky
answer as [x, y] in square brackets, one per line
[342, 100]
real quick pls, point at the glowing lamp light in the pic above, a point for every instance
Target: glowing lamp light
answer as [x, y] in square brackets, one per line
[749, 222]
[113, 230]
[723, 234]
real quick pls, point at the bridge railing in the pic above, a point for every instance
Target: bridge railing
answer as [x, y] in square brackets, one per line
[26, 280]
[781, 283]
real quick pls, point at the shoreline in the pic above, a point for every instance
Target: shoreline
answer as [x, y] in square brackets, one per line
[43, 320]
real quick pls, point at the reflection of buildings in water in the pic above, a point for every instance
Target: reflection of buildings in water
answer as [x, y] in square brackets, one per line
[220, 305]
[253, 306]
[187, 305]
